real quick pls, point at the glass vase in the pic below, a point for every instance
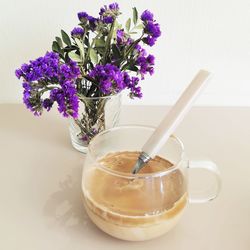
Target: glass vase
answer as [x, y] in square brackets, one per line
[95, 115]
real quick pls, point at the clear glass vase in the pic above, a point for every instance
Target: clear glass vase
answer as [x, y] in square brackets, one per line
[95, 115]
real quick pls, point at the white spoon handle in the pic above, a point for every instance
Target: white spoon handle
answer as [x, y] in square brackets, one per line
[175, 115]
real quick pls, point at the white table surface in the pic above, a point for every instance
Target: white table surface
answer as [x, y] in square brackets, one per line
[40, 176]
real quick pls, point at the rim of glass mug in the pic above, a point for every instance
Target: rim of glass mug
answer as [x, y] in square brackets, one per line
[138, 175]
[100, 97]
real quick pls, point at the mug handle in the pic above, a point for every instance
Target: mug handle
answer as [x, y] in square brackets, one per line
[205, 196]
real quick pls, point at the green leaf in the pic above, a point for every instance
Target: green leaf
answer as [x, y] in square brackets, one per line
[65, 38]
[135, 16]
[128, 24]
[80, 46]
[100, 50]
[68, 49]
[59, 41]
[132, 32]
[100, 43]
[116, 24]
[116, 51]
[86, 41]
[139, 26]
[93, 56]
[56, 47]
[62, 57]
[73, 56]
[132, 68]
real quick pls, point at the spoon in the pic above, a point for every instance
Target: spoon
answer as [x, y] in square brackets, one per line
[172, 120]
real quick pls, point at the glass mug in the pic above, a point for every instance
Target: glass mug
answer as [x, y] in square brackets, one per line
[145, 205]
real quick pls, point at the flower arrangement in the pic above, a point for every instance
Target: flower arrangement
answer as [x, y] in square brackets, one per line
[101, 58]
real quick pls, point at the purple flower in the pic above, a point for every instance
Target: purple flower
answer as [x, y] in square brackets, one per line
[147, 16]
[42, 67]
[57, 95]
[149, 40]
[75, 71]
[47, 104]
[108, 19]
[140, 51]
[109, 77]
[27, 95]
[122, 39]
[132, 85]
[83, 16]
[77, 32]
[103, 10]
[145, 65]
[114, 6]
[68, 71]
[19, 73]
[25, 67]
[38, 76]
[109, 13]
[126, 78]
[134, 88]
[120, 36]
[92, 22]
[151, 59]
[66, 98]
[143, 62]
[32, 100]
[71, 99]
[153, 29]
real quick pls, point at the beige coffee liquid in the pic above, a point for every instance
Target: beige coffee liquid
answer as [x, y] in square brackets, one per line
[138, 208]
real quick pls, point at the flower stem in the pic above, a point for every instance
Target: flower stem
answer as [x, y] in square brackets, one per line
[108, 41]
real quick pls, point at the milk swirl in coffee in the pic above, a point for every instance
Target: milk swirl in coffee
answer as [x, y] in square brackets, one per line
[134, 208]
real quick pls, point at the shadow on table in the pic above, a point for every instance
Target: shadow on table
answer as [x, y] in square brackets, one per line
[64, 208]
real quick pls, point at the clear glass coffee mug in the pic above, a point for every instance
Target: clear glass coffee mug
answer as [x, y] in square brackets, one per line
[142, 206]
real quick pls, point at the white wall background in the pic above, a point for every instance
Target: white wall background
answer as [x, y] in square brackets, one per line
[212, 34]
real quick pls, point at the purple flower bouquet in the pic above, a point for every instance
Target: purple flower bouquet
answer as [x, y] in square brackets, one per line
[85, 73]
